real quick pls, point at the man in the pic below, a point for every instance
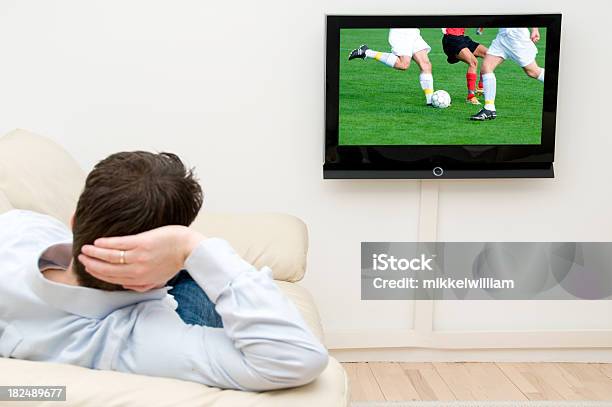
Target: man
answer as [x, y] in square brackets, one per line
[406, 44]
[459, 47]
[510, 43]
[53, 309]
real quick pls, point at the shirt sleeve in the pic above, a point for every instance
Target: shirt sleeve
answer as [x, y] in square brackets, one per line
[265, 343]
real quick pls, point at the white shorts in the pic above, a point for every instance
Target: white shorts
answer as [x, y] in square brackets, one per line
[516, 46]
[407, 41]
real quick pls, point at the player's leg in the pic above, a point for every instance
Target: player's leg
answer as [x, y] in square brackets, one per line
[387, 58]
[403, 62]
[401, 42]
[534, 71]
[480, 52]
[489, 64]
[523, 51]
[466, 56]
[399, 62]
[426, 76]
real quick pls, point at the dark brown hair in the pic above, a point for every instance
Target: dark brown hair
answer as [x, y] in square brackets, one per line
[129, 193]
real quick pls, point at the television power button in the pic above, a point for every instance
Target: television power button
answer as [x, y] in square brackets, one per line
[438, 171]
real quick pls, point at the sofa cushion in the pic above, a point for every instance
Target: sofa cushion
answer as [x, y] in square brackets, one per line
[37, 174]
[276, 240]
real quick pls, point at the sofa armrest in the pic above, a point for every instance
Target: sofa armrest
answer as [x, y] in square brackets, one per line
[275, 240]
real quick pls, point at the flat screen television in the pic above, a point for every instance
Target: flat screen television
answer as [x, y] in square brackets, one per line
[419, 97]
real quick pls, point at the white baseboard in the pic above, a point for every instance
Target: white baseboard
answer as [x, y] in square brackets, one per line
[481, 346]
[473, 355]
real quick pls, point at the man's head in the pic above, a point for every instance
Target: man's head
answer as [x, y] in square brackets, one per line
[129, 193]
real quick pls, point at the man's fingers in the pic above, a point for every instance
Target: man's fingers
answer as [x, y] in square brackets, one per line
[118, 243]
[114, 280]
[113, 273]
[108, 255]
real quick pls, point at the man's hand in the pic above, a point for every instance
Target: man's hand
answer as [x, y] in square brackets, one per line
[535, 35]
[148, 261]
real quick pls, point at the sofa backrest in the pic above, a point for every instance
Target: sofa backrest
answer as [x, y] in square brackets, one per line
[276, 240]
[38, 175]
[5, 205]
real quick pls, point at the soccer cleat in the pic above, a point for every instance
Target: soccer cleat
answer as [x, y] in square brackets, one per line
[484, 114]
[359, 52]
[480, 91]
[473, 101]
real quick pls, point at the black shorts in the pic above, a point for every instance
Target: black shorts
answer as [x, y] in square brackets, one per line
[453, 44]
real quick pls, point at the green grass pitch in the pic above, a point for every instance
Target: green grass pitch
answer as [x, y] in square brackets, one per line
[383, 106]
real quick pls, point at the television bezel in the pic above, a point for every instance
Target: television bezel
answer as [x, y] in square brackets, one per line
[456, 161]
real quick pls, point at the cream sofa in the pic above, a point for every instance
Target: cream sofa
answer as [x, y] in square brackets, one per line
[37, 174]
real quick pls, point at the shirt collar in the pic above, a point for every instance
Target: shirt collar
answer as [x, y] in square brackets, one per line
[82, 301]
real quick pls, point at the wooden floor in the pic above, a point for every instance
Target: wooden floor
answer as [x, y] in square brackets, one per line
[479, 381]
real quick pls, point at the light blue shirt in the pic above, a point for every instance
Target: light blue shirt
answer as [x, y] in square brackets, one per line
[265, 343]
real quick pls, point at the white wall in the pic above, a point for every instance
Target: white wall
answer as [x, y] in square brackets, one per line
[236, 88]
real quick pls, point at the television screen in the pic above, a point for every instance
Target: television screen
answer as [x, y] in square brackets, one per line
[427, 86]
[452, 96]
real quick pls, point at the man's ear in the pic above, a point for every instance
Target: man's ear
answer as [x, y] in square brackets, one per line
[72, 221]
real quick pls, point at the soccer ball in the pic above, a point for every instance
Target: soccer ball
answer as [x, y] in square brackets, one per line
[441, 99]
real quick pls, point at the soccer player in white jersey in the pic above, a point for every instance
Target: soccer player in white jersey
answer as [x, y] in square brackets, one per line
[517, 44]
[406, 45]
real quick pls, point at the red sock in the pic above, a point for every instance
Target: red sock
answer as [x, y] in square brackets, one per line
[480, 85]
[471, 83]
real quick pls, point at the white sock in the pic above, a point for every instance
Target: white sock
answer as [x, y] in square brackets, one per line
[489, 83]
[541, 75]
[426, 80]
[384, 57]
